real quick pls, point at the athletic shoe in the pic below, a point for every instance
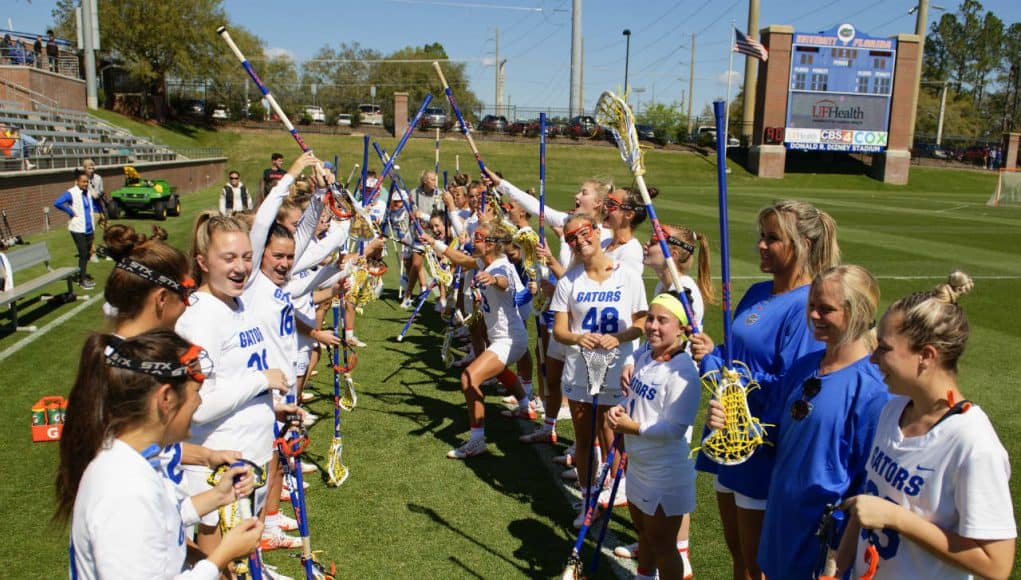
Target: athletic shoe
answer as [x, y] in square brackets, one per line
[94, 259]
[272, 573]
[86, 284]
[618, 500]
[470, 449]
[277, 540]
[580, 518]
[629, 551]
[564, 414]
[519, 413]
[309, 420]
[509, 400]
[540, 435]
[567, 458]
[307, 396]
[539, 406]
[287, 524]
[570, 474]
[352, 340]
[309, 467]
[407, 304]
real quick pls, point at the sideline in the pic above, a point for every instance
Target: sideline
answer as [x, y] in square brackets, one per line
[14, 348]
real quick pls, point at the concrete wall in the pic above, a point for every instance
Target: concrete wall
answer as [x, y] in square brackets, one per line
[69, 93]
[24, 195]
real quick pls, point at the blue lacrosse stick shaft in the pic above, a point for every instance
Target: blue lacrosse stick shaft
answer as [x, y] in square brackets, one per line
[400, 146]
[542, 179]
[365, 167]
[414, 313]
[338, 317]
[719, 110]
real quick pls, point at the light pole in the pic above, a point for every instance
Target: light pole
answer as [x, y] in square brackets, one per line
[627, 57]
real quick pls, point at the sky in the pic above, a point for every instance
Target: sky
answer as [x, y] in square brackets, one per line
[535, 37]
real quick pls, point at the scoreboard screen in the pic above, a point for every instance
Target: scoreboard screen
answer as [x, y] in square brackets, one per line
[840, 87]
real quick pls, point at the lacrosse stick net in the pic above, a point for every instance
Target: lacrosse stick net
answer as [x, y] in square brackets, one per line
[237, 511]
[742, 433]
[597, 363]
[336, 472]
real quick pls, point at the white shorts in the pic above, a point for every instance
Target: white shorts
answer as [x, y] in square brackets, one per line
[676, 500]
[555, 350]
[509, 350]
[740, 500]
[196, 480]
[607, 397]
[301, 365]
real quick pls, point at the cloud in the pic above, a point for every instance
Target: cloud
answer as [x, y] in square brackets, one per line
[273, 53]
[735, 78]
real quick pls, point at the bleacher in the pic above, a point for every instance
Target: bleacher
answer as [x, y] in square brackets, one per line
[71, 136]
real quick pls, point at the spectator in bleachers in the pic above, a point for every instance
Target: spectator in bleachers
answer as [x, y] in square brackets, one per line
[37, 50]
[13, 52]
[77, 203]
[271, 175]
[234, 197]
[52, 50]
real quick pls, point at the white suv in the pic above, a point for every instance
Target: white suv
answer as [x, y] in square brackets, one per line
[316, 112]
[370, 114]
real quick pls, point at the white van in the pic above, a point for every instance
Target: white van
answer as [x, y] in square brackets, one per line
[370, 114]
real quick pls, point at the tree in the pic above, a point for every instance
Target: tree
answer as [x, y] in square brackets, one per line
[343, 76]
[667, 120]
[419, 78]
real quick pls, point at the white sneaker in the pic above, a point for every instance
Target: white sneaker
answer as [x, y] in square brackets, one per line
[510, 400]
[309, 420]
[539, 406]
[618, 500]
[629, 551]
[407, 304]
[352, 340]
[470, 449]
[309, 467]
[287, 524]
[271, 573]
[307, 396]
[94, 259]
[276, 539]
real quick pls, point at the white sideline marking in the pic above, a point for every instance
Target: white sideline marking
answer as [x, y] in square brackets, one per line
[14, 348]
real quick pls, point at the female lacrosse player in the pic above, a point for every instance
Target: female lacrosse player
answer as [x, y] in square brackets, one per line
[796, 242]
[597, 304]
[663, 393]
[131, 399]
[508, 339]
[937, 501]
[625, 212]
[682, 242]
[832, 400]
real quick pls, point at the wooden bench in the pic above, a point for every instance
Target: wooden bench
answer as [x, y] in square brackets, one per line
[26, 257]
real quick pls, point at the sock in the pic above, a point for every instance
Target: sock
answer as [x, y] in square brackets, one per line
[478, 432]
[273, 521]
[682, 545]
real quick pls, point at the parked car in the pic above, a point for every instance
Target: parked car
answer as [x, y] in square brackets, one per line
[646, 133]
[555, 127]
[528, 127]
[315, 112]
[434, 118]
[221, 113]
[976, 155]
[493, 124]
[930, 150]
[343, 120]
[582, 126]
[371, 114]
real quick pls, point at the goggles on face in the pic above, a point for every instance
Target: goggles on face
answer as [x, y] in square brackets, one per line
[185, 288]
[612, 204]
[194, 363]
[580, 232]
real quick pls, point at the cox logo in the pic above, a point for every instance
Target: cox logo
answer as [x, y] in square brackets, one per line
[869, 138]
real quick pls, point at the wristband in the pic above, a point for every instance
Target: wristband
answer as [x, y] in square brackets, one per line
[439, 247]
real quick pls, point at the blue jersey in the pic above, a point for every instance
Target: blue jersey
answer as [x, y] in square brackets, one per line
[819, 460]
[770, 332]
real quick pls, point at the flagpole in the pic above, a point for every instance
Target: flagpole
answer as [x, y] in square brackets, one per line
[730, 75]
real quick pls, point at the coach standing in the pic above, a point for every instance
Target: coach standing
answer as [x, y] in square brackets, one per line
[77, 203]
[272, 175]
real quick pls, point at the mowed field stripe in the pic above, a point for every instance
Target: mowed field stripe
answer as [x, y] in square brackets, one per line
[14, 348]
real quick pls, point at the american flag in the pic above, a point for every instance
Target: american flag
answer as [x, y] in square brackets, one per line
[750, 46]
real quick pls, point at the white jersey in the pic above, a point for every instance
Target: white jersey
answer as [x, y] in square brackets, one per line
[630, 254]
[666, 399]
[598, 307]
[956, 476]
[498, 309]
[237, 410]
[126, 522]
[270, 306]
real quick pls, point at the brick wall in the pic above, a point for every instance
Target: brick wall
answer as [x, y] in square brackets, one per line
[68, 92]
[25, 194]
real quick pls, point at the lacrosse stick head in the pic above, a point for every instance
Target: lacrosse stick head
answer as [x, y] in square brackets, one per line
[349, 397]
[573, 570]
[339, 205]
[336, 472]
[614, 114]
[742, 433]
[597, 363]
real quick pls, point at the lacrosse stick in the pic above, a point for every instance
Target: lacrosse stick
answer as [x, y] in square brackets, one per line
[336, 192]
[597, 556]
[389, 165]
[349, 397]
[365, 169]
[462, 124]
[597, 363]
[414, 313]
[574, 569]
[446, 354]
[337, 473]
[614, 114]
[234, 513]
[742, 433]
[830, 529]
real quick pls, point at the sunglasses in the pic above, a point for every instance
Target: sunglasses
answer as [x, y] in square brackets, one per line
[581, 232]
[809, 389]
[185, 288]
[235, 177]
[194, 363]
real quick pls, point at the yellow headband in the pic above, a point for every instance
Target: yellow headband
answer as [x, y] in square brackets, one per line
[671, 303]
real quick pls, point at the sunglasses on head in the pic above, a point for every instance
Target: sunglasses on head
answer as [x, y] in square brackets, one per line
[677, 242]
[809, 389]
[185, 288]
[194, 363]
[580, 232]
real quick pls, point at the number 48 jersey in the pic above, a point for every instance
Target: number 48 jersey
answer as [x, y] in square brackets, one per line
[601, 308]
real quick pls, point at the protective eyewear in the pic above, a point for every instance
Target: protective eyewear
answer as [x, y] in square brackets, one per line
[185, 288]
[809, 389]
[611, 204]
[194, 363]
[677, 242]
[581, 232]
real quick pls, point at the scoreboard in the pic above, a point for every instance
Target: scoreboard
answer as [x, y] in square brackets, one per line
[839, 93]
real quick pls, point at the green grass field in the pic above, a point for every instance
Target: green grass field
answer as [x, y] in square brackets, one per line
[407, 511]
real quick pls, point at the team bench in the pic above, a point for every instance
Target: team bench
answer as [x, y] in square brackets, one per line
[26, 257]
